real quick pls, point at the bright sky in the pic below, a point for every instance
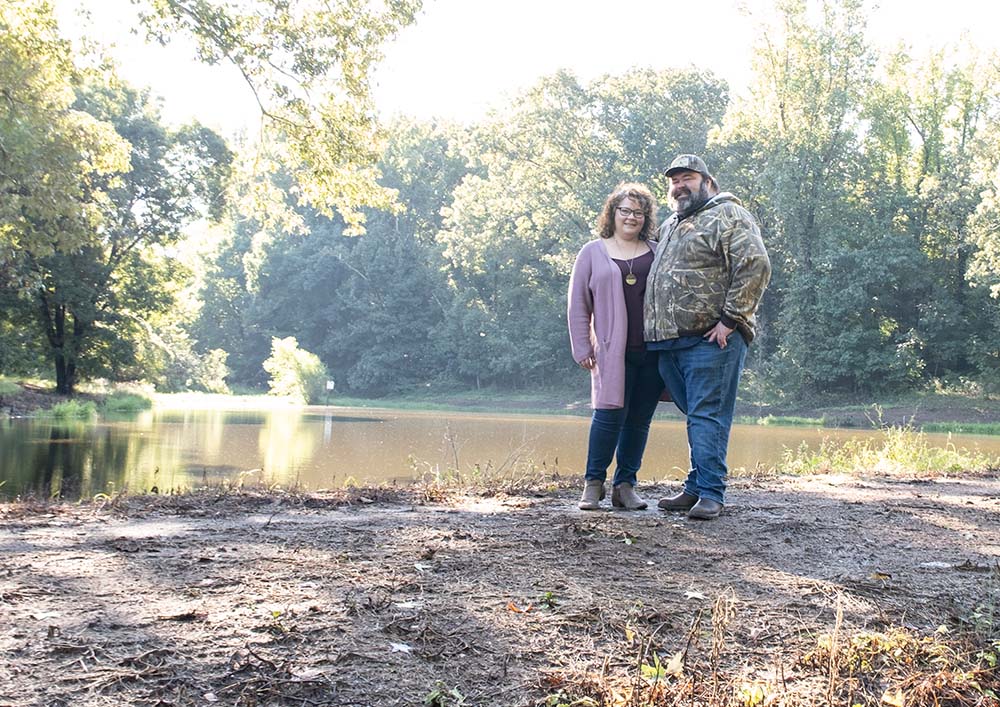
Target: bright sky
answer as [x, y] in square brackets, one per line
[463, 57]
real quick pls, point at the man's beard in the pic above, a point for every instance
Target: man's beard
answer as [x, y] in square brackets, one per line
[687, 203]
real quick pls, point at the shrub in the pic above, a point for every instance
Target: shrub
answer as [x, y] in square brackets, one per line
[8, 387]
[295, 372]
[126, 402]
[73, 410]
[211, 373]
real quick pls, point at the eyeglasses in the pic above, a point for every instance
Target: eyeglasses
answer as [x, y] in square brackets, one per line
[634, 213]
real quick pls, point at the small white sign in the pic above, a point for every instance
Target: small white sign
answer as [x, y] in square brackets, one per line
[329, 385]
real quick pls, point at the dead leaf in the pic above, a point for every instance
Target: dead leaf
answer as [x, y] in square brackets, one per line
[881, 576]
[675, 666]
[894, 699]
[692, 594]
[511, 606]
[401, 648]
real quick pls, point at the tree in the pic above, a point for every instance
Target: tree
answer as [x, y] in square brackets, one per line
[51, 152]
[369, 306]
[92, 302]
[791, 151]
[308, 65]
[543, 170]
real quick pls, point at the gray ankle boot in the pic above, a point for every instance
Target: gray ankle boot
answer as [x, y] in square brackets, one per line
[593, 494]
[624, 496]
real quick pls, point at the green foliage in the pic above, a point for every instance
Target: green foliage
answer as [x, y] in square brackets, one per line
[972, 428]
[126, 403]
[8, 387]
[515, 223]
[51, 149]
[308, 65]
[211, 374]
[73, 410]
[443, 696]
[92, 303]
[894, 451]
[791, 421]
[874, 175]
[295, 372]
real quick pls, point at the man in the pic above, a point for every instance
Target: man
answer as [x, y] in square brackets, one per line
[710, 271]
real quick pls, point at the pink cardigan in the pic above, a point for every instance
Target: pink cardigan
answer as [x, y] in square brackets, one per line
[598, 323]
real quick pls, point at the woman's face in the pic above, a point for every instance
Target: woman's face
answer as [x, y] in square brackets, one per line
[628, 219]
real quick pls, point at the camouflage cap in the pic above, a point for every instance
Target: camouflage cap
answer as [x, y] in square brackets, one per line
[691, 163]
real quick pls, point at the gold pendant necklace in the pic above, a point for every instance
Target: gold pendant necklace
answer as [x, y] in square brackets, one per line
[631, 279]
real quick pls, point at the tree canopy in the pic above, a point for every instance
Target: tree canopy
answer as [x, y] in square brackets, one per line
[874, 176]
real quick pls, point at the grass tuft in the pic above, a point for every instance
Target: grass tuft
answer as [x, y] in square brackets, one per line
[791, 421]
[73, 410]
[901, 451]
[126, 403]
[970, 428]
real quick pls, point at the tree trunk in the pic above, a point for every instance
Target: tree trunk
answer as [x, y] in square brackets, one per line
[63, 351]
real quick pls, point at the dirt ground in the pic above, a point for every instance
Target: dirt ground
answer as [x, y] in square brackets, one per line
[806, 591]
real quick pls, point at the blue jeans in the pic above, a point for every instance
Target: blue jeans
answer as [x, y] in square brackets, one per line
[624, 430]
[702, 380]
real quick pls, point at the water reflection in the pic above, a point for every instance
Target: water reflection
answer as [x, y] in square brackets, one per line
[176, 449]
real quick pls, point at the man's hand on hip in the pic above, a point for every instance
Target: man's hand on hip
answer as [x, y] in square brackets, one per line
[719, 334]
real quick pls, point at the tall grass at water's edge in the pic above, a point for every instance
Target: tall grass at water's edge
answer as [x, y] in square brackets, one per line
[897, 451]
[72, 410]
[126, 403]
[972, 428]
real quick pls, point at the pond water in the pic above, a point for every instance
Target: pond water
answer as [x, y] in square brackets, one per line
[317, 448]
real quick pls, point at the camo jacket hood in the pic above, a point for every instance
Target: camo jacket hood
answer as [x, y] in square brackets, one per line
[710, 266]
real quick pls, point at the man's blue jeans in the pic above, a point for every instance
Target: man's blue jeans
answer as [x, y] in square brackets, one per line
[702, 380]
[625, 429]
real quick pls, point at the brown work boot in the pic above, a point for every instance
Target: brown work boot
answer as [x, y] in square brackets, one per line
[624, 496]
[682, 501]
[593, 494]
[705, 509]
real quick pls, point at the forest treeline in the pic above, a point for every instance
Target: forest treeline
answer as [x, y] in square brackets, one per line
[412, 255]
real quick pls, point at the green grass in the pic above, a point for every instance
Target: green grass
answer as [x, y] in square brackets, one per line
[791, 421]
[73, 410]
[8, 387]
[126, 403]
[901, 451]
[972, 428]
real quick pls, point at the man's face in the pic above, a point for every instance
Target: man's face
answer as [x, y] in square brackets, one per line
[688, 189]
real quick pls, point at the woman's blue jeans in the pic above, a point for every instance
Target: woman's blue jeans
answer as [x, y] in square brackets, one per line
[703, 379]
[624, 430]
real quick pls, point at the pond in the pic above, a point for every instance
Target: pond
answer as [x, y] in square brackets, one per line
[317, 448]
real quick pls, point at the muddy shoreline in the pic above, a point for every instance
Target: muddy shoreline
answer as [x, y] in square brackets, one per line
[426, 596]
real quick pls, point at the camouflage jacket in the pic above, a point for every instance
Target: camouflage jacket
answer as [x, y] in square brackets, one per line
[711, 266]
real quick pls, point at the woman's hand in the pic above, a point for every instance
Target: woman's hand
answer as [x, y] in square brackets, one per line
[589, 362]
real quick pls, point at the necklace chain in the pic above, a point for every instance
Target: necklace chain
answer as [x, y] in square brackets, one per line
[631, 279]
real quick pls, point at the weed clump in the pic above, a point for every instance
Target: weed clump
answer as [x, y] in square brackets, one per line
[73, 410]
[896, 451]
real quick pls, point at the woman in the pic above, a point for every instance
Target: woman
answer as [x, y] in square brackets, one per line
[605, 331]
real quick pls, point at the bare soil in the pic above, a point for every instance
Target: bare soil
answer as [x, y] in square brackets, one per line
[806, 591]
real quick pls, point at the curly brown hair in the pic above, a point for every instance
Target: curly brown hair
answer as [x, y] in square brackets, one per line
[628, 190]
